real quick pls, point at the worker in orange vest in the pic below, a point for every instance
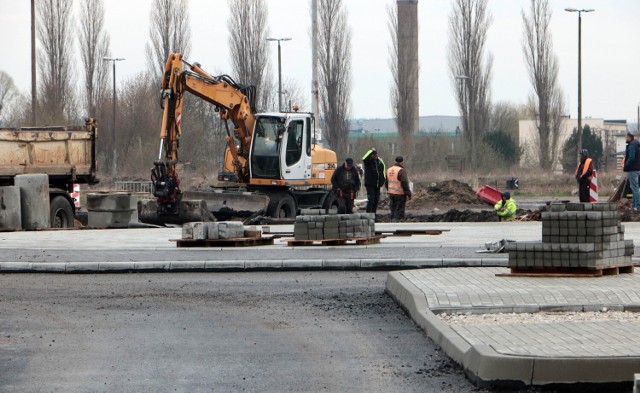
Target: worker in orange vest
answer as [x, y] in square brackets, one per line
[584, 174]
[397, 185]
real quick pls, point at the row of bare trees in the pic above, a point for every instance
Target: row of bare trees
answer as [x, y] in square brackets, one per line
[470, 71]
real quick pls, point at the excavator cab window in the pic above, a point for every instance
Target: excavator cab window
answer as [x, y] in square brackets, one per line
[266, 147]
[294, 141]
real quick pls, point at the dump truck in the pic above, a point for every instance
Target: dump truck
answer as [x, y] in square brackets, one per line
[272, 163]
[67, 154]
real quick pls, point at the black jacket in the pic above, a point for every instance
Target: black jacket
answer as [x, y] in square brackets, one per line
[632, 156]
[346, 179]
[375, 172]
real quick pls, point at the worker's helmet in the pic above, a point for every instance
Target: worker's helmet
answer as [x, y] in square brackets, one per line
[584, 152]
[506, 194]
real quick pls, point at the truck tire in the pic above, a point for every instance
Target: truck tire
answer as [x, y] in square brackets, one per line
[61, 213]
[282, 206]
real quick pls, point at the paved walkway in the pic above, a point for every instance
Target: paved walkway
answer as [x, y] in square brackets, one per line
[526, 353]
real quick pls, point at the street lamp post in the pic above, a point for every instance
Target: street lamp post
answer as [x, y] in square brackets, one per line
[113, 125]
[579, 11]
[279, 71]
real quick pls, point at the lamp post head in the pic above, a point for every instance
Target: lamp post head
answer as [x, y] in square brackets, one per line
[579, 11]
[113, 58]
[278, 39]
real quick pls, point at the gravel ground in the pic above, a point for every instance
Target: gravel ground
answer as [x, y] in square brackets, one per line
[539, 317]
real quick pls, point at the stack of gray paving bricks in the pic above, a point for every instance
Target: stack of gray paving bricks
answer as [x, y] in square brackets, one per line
[575, 235]
[213, 230]
[315, 224]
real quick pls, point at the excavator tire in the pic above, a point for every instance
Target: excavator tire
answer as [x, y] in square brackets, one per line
[282, 205]
[330, 202]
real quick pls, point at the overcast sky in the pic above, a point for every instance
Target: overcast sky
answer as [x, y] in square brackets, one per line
[610, 50]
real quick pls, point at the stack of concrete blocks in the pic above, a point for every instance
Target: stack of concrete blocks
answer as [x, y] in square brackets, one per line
[111, 209]
[213, 230]
[316, 224]
[575, 235]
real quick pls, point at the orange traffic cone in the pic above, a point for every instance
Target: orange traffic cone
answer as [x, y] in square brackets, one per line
[593, 188]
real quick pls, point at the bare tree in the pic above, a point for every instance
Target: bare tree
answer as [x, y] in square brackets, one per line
[334, 61]
[547, 105]
[94, 44]
[404, 71]
[56, 99]
[470, 70]
[169, 32]
[8, 92]
[248, 32]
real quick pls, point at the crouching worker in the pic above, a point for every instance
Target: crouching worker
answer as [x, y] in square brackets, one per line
[506, 208]
[346, 183]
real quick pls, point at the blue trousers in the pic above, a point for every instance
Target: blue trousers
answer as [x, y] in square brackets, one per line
[632, 177]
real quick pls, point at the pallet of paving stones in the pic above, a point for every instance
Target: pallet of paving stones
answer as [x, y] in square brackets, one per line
[599, 271]
[334, 242]
[221, 234]
[578, 239]
[237, 242]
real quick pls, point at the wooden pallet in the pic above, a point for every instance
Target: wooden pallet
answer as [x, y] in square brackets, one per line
[570, 272]
[411, 232]
[238, 242]
[334, 242]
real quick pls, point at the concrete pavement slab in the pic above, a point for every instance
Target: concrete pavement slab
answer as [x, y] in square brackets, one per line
[499, 353]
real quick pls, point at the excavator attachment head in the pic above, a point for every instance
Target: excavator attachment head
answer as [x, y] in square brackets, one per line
[185, 211]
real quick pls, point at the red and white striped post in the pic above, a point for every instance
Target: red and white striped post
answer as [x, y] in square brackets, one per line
[593, 188]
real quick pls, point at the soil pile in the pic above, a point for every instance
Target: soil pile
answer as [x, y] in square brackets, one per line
[447, 193]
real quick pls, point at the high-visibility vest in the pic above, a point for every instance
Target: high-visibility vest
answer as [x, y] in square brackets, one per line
[395, 187]
[585, 168]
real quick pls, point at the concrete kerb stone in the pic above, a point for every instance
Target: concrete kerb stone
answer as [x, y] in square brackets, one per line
[224, 265]
[116, 266]
[462, 262]
[48, 267]
[186, 265]
[302, 264]
[422, 262]
[15, 266]
[584, 370]
[371, 263]
[263, 264]
[485, 367]
[152, 266]
[82, 267]
[341, 263]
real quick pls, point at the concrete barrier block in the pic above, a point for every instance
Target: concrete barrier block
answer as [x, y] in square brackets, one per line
[34, 200]
[10, 213]
[199, 231]
[111, 209]
[212, 230]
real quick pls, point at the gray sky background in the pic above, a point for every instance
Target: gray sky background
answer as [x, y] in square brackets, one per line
[610, 50]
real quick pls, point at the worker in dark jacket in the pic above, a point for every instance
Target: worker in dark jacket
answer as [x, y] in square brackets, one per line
[375, 175]
[397, 184]
[584, 174]
[345, 184]
[632, 166]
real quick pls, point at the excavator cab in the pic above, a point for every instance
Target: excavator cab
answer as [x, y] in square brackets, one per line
[281, 147]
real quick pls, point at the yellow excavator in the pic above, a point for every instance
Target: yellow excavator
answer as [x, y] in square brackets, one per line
[272, 163]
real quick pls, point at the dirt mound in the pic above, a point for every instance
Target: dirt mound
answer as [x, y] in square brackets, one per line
[446, 193]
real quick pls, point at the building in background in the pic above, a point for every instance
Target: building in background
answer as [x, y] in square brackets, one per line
[610, 131]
